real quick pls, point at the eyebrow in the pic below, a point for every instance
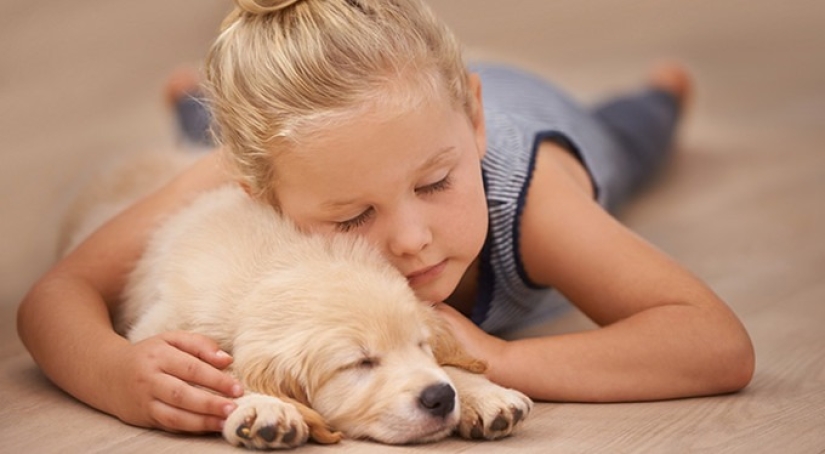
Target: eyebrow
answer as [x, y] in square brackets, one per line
[433, 161]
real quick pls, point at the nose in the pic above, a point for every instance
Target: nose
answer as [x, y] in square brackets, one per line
[409, 234]
[438, 400]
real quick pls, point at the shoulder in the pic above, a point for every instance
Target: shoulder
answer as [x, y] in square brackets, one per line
[208, 172]
[560, 217]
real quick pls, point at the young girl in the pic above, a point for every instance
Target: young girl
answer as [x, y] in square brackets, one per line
[486, 187]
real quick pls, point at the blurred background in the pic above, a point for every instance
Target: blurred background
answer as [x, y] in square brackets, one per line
[82, 81]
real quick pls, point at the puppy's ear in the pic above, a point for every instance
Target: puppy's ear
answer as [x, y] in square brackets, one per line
[265, 381]
[319, 430]
[447, 350]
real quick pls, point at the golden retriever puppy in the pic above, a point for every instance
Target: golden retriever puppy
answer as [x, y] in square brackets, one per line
[328, 338]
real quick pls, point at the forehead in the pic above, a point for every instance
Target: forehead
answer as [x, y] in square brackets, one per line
[372, 149]
[374, 314]
[389, 93]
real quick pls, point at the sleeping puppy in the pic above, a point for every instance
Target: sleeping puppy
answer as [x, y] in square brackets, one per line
[327, 338]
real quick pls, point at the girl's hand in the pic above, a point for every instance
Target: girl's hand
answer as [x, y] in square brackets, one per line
[170, 381]
[475, 341]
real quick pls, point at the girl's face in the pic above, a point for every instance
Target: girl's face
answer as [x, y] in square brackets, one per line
[410, 183]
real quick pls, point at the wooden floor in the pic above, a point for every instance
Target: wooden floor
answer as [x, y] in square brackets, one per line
[743, 204]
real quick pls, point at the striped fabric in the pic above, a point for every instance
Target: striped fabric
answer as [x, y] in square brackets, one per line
[520, 111]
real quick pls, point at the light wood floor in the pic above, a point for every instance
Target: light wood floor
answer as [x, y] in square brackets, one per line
[743, 205]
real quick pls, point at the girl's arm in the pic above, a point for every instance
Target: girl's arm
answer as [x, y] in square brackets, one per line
[664, 333]
[65, 323]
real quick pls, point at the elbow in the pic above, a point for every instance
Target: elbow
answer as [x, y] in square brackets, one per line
[735, 363]
[25, 319]
[29, 311]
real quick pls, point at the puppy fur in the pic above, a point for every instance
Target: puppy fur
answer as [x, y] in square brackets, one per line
[328, 338]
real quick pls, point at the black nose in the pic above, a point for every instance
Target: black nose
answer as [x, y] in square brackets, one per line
[438, 400]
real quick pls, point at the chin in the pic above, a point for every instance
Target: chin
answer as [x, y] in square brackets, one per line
[437, 291]
[432, 297]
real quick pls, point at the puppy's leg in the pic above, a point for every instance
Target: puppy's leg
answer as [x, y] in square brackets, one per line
[265, 422]
[258, 379]
[488, 411]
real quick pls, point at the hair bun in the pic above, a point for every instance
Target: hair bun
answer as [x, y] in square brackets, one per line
[263, 6]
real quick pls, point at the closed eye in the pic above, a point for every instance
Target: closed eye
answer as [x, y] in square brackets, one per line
[364, 217]
[357, 221]
[367, 363]
[364, 364]
[438, 186]
[426, 347]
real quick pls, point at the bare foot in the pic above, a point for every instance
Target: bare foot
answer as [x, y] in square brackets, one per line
[184, 96]
[674, 78]
[183, 81]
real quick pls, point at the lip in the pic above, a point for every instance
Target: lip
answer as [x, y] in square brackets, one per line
[426, 275]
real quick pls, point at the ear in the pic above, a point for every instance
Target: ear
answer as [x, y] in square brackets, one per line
[319, 430]
[447, 350]
[265, 379]
[477, 114]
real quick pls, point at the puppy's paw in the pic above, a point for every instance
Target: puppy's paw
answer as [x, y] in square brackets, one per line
[265, 422]
[488, 411]
[493, 414]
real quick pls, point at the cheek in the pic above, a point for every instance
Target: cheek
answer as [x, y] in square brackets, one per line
[470, 212]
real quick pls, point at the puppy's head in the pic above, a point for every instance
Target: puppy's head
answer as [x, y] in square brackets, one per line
[350, 340]
[379, 377]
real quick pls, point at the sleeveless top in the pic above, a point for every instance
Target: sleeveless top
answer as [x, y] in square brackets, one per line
[520, 111]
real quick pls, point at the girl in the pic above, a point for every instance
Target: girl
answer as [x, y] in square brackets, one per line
[486, 187]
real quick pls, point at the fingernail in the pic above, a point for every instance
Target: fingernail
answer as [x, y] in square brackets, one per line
[228, 409]
[222, 354]
[237, 391]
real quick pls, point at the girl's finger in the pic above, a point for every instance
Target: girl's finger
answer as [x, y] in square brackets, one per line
[173, 419]
[199, 346]
[190, 367]
[177, 393]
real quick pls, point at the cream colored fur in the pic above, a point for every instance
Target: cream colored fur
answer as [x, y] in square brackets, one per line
[328, 338]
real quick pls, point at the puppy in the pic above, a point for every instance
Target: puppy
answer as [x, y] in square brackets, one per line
[328, 339]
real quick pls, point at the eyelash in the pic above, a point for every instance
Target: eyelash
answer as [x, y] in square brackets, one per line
[438, 186]
[355, 222]
[361, 219]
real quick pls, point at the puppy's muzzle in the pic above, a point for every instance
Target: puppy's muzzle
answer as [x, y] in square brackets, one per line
[438, 400]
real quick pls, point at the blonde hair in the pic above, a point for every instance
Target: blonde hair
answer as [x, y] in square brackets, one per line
[281, 70]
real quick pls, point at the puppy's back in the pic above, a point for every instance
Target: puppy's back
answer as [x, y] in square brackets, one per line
[199, 261]
[205, 267]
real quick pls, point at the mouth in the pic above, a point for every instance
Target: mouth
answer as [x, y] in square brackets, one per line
[428, 435]
[426, 275]
[433, 435]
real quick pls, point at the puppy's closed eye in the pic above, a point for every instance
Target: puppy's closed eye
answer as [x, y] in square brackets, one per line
[361, 363]
[428, 349]
[367, 363]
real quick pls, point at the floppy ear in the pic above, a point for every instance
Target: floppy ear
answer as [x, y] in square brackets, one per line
[319, 430]
[448, 351]
[262, 379]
